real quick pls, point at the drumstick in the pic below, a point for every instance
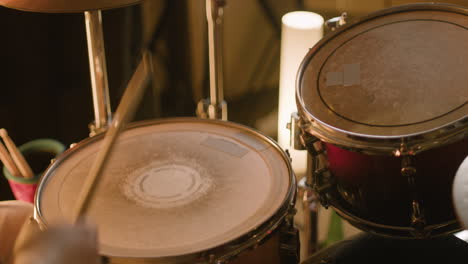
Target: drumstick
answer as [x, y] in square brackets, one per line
[16, 155]
[8, 162]
[125, 111]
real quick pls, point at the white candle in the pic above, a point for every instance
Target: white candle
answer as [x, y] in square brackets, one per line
[300, 31]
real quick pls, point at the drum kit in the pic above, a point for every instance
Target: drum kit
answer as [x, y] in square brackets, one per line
[382, 111]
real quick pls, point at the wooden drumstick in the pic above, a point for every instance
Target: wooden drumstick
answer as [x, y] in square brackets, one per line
[16, 155]
[125, 111]
[8, 162]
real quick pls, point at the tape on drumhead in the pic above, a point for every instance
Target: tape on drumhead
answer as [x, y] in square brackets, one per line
[225, 146]
[460, 193]
[351, 75]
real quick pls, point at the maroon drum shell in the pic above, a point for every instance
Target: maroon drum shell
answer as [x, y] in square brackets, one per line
[373, 188]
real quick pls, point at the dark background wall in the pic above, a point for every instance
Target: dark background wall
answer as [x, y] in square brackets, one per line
[44, 72]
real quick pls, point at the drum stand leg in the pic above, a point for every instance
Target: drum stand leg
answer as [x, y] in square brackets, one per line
[309, 207]
[98, 71]
[214, 107]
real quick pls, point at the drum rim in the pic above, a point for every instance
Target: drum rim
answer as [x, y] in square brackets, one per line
[221, 252]
[10, 4]
[390, 144]
[393, 231]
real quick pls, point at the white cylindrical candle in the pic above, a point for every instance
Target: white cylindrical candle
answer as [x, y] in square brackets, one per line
[300, 31]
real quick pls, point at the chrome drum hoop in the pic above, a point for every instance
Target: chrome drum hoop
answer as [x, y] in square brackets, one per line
[396, 146]
[281, 221]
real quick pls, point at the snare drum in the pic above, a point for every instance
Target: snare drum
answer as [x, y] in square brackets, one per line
[387, 98]
[181, 191]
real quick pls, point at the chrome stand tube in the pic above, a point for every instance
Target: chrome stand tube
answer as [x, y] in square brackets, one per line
[309, 203]
[215, 107]
[310, 207]
[98, 71]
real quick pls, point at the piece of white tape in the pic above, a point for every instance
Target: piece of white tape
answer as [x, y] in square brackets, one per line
[351, 75]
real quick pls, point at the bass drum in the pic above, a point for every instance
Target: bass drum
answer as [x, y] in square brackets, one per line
[371, 249]
[387, 98]
[181, 191]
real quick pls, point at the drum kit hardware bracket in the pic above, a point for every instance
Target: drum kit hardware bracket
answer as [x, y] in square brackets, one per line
[418, 220]
[336, 22]
[210, 111]
[296, 140]
[319, 171]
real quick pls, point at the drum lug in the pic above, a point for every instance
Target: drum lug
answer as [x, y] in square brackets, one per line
[418, 219]
[309, 140]
[324, 187]
[319, 177]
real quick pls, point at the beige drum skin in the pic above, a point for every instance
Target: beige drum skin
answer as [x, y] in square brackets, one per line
[178, 191]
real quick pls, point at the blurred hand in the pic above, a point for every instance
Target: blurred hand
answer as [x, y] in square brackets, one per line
[58, 245]
[22, 242]
[12, 216]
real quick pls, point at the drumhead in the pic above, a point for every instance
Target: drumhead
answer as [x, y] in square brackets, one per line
[400, 72]
[172, 187]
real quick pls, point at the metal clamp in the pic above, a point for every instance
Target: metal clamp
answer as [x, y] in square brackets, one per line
[205, 109]
[295, 139]
[98, 71]
[336, 22]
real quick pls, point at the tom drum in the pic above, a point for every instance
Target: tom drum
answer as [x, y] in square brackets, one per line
[386, 97]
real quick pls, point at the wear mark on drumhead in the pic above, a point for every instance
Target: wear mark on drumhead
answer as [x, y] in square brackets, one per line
[224, 146]
[251, 141]
[351, 75]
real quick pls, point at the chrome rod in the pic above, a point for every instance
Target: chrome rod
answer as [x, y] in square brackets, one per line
[98, 70]
[214, 12]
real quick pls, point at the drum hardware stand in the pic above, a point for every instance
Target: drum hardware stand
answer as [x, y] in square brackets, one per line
[98, 71]
[214, 107]
[336, 22]
[307, 187]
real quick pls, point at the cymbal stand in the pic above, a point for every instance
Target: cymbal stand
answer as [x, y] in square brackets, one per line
[98, 71]
[214, 107]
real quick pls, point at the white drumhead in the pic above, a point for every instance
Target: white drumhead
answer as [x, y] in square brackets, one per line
[460, 193]
[173, 187]
[397, 74]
